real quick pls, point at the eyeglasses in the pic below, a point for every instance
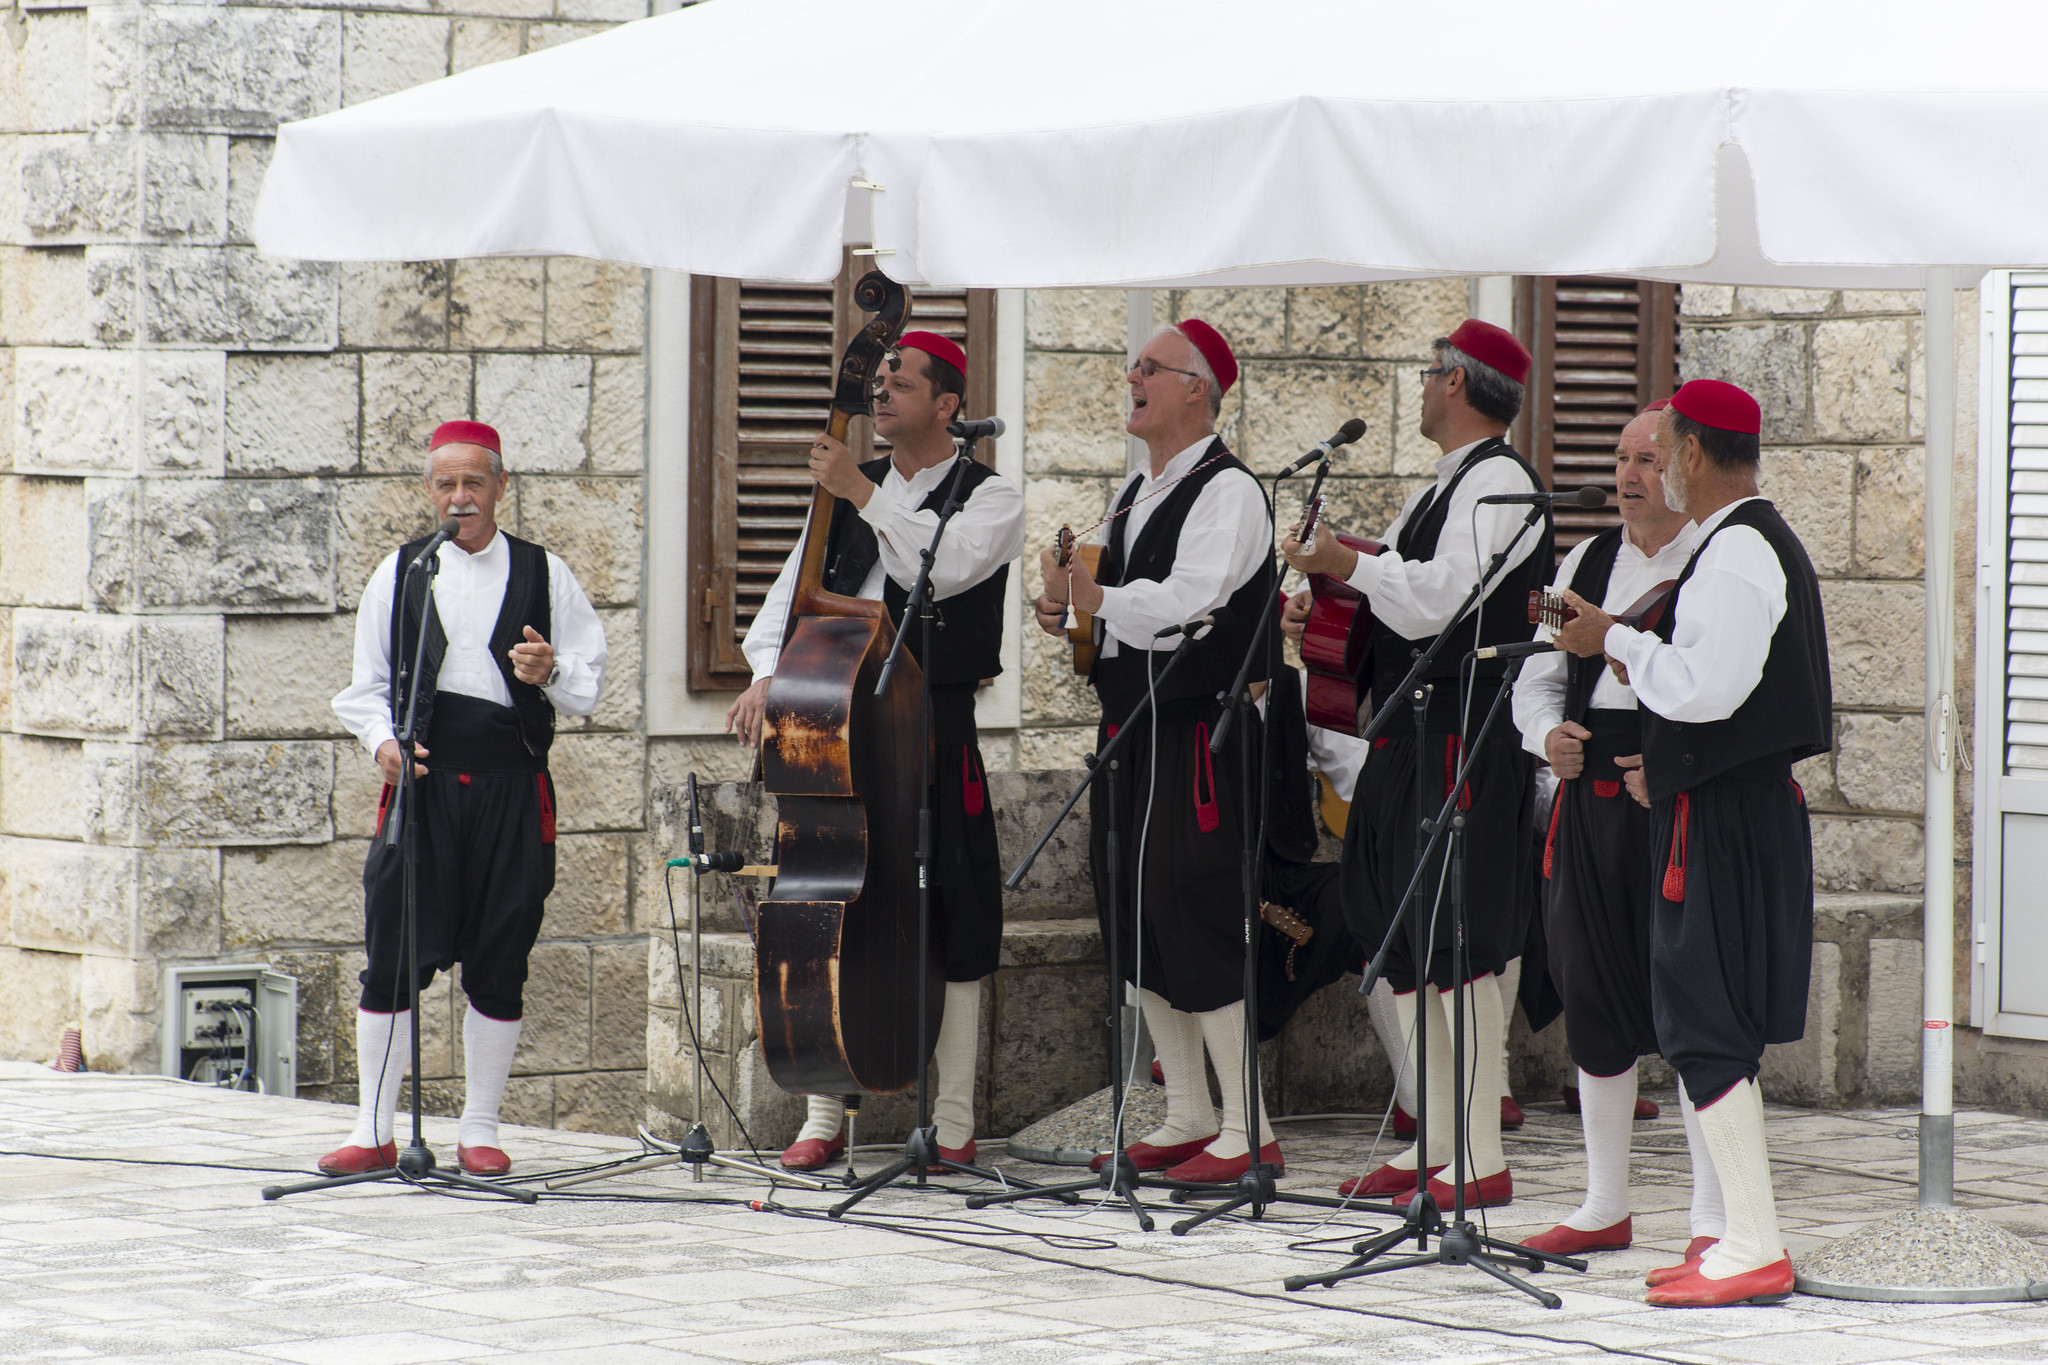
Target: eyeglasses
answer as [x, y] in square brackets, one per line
[1146, 367]
[1438, 369]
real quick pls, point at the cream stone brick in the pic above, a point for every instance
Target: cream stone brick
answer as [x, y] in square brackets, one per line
[1859, 380]
[238, 792]
[110, 793]
[593, 524]
[183, 423]
[42, 541]
[292, 895]
[382, 54]
[75, 410]
[1362, 507]
[7, 365]
[185, 188]
[45, 299]
[1706, 300]
[1874, 632]
[1076, 320]
[1891, 1065]
[600, 781]
[602, 1101]
[69, 188]
[178, 903]
[75, 673]
[1880, 301]
[589, 898]
[1289, 406]
[540, 37]
[618, 1004]
[43, 81]
[1878, 761]
[42, 994]
[42, 787]
[1415, 455]
[495, 304]
[1803, 1072]
[1867, 854]
[1784, 302]
[1253, 321]
[1402, 319]
[1324, 321]
[6, 665]
[405, 396]
[358, 783]
[1891, 493]
[115, 39]
[618, 415]
[1053, 693]
[609, 11]
[618, 707]
[242, 70]
[1812, 489]
[1074, 414]
[114, 304]
[595, 305]
[248, 159]
[239, 298]
[1816, 778]
[118, 1001]
[1769, 360]
[1056, 747]
[540, 405]
[557, 1005]
[1916, 379]
[395, 303]
[282, 673]
[289, 414]
[250, 545]
[65, 897]
[376, 516]
[481, 42]
[181, 666]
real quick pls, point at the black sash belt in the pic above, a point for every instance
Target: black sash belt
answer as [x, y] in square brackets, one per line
[472, 735]
[1616, 734]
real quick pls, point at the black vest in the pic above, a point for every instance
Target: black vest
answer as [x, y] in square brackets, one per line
[1589, 580]
[1503, 612]
[1790, 713]
[967, 628]
[526, 604]
[1211, 663]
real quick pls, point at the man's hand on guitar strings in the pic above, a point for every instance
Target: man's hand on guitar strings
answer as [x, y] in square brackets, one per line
[1584, 634]
[1326, 555]
[1070, 582]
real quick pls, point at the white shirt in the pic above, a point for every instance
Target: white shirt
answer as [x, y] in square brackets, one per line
[1415, 598]
[469, 591]
[985, 534]
[1727, 613]
[1539, 691]
[1226, 531]
[1337, 756]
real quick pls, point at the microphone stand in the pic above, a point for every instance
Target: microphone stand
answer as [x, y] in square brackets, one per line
[416, 1164]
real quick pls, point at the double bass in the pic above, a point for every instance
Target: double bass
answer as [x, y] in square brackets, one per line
[835, 944]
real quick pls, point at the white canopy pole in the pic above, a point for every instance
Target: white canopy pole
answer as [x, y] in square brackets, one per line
[1937, 1033]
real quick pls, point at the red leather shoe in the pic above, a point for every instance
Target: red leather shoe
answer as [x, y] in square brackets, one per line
[808, 1154]
[1404, 1123]
[1668, 1274]
[1510, 1114]
[1487, 1192]
[1385, 1180]
[1203, 1169]
[357, 1160]
[1646, 1109]
[483, 1160]
[1569, 1241]
[1146, 1157]
[963, 1155]
[1770, 1284]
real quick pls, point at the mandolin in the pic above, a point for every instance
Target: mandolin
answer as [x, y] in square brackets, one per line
[1548, 608]
[1081, 632]
[1339, 628]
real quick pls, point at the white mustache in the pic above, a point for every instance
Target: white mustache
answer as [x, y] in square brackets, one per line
[457, 509]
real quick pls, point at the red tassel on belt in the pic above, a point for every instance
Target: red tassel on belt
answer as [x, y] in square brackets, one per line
[972, 792]
[1206, 816]
[1674, 870]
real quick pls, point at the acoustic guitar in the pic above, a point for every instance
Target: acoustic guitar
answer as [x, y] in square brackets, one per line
[1339, 628]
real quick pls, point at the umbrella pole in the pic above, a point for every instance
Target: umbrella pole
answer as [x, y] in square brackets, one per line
[1937, 1033]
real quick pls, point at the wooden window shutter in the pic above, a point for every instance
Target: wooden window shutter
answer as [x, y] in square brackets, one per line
[1603, 347]
[763, 356]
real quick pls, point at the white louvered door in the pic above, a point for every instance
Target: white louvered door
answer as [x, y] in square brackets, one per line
[2010, 959]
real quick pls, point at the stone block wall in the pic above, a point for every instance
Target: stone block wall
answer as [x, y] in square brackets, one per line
[203, 452]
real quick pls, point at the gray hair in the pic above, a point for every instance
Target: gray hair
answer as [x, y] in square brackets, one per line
[1489, 392]
[497, 460]
[1199, 363]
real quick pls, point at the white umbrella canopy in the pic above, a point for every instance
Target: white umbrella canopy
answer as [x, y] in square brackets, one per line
[1072, 142]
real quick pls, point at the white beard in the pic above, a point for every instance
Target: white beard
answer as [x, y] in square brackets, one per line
[1674, 487]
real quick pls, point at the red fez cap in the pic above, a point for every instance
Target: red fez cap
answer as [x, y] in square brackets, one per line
[1495, 346]
[1713, 403]
[1214, 349]
[465, 433]
[931, 343]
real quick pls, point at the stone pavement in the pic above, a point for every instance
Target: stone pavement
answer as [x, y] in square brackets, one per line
[112, 1250]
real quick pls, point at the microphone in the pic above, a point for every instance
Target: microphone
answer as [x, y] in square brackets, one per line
[725, 860]
[696, 839]
[1522, 651]
[1346, 434]
[971, 432]
[446, 532]
[1585, 497]
[1189, 628]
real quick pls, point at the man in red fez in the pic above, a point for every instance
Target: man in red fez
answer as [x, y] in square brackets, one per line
[1432, 558]
[881, 525]
[1583, 719]
[510, 641]
[1203, 546]
[1734, 689]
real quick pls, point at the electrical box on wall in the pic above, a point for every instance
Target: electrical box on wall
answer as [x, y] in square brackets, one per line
[232, 1026]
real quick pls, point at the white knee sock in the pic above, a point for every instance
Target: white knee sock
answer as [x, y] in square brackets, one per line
[1733, 1127]
[1607, 1114]
[488, 1046]
[1709, 1210]
[1223, 1031]
[383, 1056]
[1387, 1022]
[1439, 1092]
[1510, 985]
[823, 1118]
[1483, 1067]
[1177, 1039]
[953, 1064]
